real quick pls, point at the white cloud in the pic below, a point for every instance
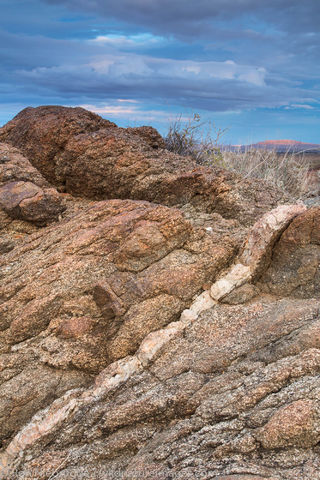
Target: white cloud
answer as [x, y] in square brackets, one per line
[127, 41]
[110, 109]
[299, 105]
[127, 100]
[132, 113]
[124, 64]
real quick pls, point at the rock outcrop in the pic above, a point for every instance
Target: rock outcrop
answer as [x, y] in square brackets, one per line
[84, 155]
[148, 330]
[235, 392]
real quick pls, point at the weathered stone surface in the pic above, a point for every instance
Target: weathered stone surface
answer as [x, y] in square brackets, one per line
[86, 291]
[241, 294]
[13, 231]
[294, 425]
[150, 135]
[243, 477]
[202, 302]
[237, 276]
[233, 395]
[15, 167]
[113, 163]
[255, 255]
[294, 269]
[264, 234]
[12, 193]
[26, 201]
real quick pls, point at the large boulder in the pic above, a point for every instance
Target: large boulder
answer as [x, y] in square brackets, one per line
[40, 133]
[113, 163]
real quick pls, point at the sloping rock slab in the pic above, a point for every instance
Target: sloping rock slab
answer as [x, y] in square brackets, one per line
[234, 395]
[86, 291]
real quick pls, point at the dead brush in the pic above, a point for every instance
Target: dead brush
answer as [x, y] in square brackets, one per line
[197, 139]
[287, 172]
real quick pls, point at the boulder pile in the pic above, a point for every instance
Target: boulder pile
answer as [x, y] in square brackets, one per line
[158, 319]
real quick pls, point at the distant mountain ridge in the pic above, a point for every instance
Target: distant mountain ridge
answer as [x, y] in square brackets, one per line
[282, 142]
[281, 146]
[284, 145]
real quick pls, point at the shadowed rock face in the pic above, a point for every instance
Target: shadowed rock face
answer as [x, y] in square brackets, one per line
[118, 358]
[25, 196]
[294, 269]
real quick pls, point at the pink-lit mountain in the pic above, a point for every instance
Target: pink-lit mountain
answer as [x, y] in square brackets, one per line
[283, 146]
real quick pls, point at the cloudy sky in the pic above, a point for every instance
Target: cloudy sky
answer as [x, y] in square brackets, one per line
[252, 66]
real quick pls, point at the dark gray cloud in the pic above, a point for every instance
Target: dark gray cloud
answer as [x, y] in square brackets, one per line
[20, 51]
[187, 16]
[281, 35]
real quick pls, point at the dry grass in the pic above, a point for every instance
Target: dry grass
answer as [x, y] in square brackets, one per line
[201, 139]
[287, 172]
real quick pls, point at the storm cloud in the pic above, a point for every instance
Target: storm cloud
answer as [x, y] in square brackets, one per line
[210, 55]
[169, 16]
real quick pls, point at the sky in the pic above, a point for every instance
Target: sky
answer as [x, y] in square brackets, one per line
[251, 67]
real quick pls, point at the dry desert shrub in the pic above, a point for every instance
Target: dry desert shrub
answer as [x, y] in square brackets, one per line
[195, 138]
[201, 140]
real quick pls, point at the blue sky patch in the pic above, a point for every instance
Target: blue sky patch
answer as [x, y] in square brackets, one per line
[252, 67]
